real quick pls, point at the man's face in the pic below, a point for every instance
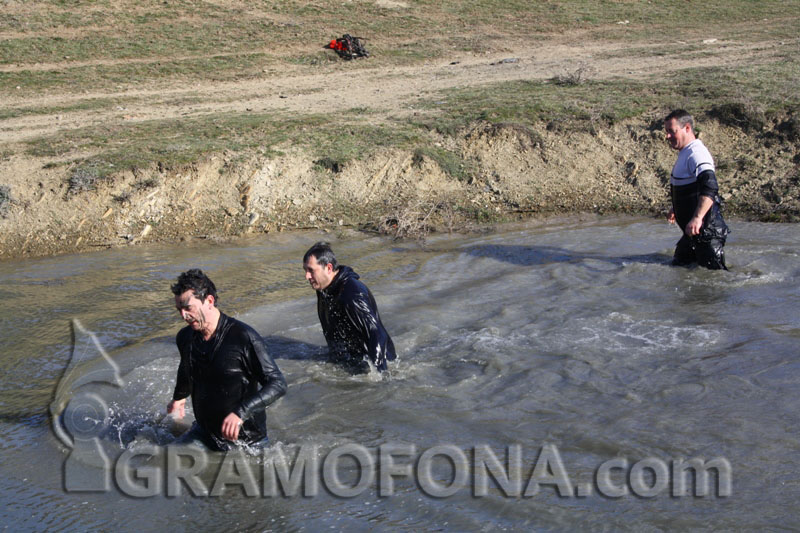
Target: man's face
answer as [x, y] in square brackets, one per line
[318, 276]
[194, 311]
[678, 136]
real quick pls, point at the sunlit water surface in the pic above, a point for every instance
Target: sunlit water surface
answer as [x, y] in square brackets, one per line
[573, 333]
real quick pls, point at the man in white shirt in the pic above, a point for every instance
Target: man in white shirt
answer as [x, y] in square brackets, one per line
[695, 197]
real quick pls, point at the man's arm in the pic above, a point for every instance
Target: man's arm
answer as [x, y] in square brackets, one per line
[707, 190]
[363, 314]
[264, 369]
[183, 383]
[695, 224]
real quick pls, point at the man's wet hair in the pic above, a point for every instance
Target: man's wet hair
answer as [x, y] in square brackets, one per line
[197, 282]
[323, 254]
[682, 116]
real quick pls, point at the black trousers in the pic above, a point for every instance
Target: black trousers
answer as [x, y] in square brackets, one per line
[705, 252]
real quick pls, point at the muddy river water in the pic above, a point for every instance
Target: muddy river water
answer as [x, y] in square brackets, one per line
[565, 359]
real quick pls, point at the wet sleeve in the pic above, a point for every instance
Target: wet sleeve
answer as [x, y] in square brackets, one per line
[707, 184]
[263, 369]
[322, 313]
[363, 315]
[183, 383]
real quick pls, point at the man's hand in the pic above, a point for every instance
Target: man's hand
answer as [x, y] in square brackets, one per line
[230, 427]
[179, 406]
[694, 226]
[671, 216]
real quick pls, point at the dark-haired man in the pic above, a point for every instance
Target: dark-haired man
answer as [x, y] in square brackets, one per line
[347, 312]
[224, 367]
[695, 197]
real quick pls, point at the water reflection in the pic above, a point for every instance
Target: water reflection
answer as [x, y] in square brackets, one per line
[543, 255]
[281, 347]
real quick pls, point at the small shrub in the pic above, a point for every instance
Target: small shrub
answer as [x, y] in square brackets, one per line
[143, 185]
[408, 220]
[329, 164]
[745, 116]
[790, 129]
[5, 199]
[572, 79]
[83, 179]
[123, 198]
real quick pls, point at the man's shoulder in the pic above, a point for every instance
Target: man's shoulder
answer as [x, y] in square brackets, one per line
[692, 155]
[696, 143]
[352, 286]
[239, 329]
[235, 325]
[353, 281]
[696, 147]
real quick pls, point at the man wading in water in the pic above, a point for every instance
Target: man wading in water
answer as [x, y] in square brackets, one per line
[348, 313]
[224, 367]
[695, 197]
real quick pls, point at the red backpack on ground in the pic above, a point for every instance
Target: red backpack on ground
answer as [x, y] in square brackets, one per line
[348, 47]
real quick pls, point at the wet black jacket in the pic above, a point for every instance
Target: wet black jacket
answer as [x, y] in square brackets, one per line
[351, 323]
[231, 373]
[684, 204]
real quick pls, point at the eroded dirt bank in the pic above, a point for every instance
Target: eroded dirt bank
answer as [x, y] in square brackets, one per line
[506, 171]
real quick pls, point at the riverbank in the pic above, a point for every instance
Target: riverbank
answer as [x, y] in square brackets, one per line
[443, 130]
[503, 172]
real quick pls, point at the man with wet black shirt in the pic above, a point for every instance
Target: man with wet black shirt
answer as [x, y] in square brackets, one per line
[695, 197]
[347, 312]
[224, 367]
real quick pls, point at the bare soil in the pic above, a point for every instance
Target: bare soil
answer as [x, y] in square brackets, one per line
[519, 171]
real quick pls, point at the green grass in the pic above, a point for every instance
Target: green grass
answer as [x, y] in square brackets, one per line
[90, 104]
[95, 77]
[223, 42]
[90, 44]
[654, 50]
[170, 142]
[769, 87]
[181, 141]
[450, 163]
[354, 133]
[341, 141]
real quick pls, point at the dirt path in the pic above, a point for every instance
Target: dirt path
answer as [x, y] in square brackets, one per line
[390, 91]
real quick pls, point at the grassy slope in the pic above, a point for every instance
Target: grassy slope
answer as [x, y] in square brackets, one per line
[74, 47]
